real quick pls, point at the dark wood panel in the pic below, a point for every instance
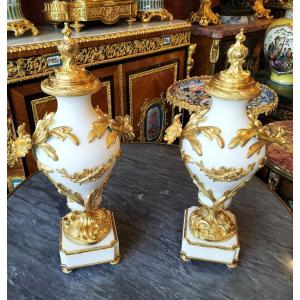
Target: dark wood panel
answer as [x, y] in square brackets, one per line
[148, 79]
[254, 43]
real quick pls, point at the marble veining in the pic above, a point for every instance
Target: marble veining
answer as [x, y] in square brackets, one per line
[148, 192]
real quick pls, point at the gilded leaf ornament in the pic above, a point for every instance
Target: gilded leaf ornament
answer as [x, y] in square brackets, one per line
[88, 175]
[225, 174]
[118, 127]
[43, 131]
[23, 143]
[89, 202]
[192, 129]
[264, 135]
[173, 131]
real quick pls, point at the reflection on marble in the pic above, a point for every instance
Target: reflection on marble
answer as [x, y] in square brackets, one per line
[148, 192]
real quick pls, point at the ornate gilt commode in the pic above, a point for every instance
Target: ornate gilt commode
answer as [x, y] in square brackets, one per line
[135, 64]
[107, 11]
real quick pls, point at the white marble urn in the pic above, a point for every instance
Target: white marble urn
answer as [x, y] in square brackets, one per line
[77, 148]
[222, 148]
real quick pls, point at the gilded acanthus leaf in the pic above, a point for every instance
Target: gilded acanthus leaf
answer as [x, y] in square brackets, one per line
[263, 134]
[89, 175]
[225, 174]
[255, 148]
[43, 131]
[185, 157]
[22, 144]
[49, 150]
[207, 193]
[72, 196]
[192, 129]
[173, 131]
[118, 127]
[90, 201]
[64, 132]
[111, 138]
[44, 168]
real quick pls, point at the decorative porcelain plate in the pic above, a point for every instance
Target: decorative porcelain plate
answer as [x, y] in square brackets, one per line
[189, 94]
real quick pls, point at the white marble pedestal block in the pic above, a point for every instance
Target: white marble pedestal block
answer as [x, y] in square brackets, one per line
[225, 252]
[74, 256]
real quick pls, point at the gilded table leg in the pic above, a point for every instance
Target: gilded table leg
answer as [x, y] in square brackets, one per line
[232, 265]
[77, 26]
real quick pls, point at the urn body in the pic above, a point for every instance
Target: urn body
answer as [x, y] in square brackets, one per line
[81, 168]
[219, 168]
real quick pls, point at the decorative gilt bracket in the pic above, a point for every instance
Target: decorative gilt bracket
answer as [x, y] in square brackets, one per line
[146, 16]
[260, 10]
[190, 60]
[204, 16]
[20, 27]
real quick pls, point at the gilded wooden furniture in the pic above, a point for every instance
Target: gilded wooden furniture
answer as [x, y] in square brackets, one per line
[148, 191]
[135, 66]
[214, 41]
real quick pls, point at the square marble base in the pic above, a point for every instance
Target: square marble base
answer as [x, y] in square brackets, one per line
[74, 256]
[225, 252]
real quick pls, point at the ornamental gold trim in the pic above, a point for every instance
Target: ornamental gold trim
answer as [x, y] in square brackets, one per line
[207, 245]
[181, 103]
[234, 83]
[43, 131]
[87, 227]
[37, 66]
[120, 126]
[147, 16]
[104, 37]
[206, 224]
[112, 244]
[89, 202]
[192, 130]
[225, 174]
[88, 175]
[260, 10]
[109, 12]
[204, 16]
[264, 135]
[174, 130]
[190, 61]
[212, 223]
[47, 99]
[21, 26]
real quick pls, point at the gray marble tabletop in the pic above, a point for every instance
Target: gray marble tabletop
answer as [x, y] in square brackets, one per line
[148, 192]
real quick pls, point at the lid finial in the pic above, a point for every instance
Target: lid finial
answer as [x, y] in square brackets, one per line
[234, 82]
[70, 79]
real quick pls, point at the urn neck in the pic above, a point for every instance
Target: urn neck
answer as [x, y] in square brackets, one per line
[229, 109]
[77, 107]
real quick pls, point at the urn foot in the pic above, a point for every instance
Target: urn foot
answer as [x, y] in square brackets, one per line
[74, 256]
[225, 252]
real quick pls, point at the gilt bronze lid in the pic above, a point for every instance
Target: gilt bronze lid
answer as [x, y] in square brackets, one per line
[234, 83]
[70, 79]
